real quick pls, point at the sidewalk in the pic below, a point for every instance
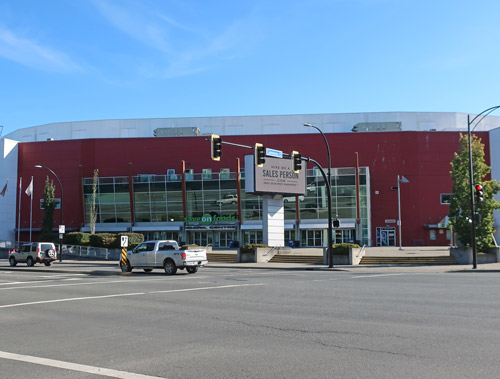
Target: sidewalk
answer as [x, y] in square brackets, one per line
[112, 268]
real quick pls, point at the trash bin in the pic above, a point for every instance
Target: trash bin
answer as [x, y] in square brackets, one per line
[291, 243]
[233, 244]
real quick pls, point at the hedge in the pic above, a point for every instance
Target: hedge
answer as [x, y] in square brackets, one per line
[343, 248]
[107, 240]
[187, 247]
[250, 247]
[76, 238]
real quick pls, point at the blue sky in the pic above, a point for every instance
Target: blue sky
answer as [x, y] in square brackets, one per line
[71, 60]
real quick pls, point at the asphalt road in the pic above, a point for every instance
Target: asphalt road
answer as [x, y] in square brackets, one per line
[229, 323]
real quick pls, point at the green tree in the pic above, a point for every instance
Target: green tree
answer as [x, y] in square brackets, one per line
[93, 207]
[460, 207]
[48, 210]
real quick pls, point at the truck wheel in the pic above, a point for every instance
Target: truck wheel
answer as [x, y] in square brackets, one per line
[30, 262]
[46, 263]
[192, 270]
[170, 267]
[125, 267]
[12, 261]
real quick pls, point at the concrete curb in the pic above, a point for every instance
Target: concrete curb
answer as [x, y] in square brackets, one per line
[112, 268]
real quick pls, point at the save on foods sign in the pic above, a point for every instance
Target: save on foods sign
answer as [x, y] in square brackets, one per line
[207, 219]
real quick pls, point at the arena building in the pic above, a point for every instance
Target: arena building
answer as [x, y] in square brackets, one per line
[156, 177]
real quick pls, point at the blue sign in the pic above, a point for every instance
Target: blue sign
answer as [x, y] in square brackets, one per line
[274, 153]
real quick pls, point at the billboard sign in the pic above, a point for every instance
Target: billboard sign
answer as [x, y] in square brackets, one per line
[276, 176]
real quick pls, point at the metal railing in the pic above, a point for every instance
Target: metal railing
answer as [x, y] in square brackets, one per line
[270, 251]
[361, 251]
[86, 251]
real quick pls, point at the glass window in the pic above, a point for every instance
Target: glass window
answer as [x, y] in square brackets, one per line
[206, 173]
[445, 198]
[432, 235]
[224, 173]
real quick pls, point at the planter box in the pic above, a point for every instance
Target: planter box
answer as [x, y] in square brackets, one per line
[352, 259]
[261, 254]
[494, 251]
[464, 255]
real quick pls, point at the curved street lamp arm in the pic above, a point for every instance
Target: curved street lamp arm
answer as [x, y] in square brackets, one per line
[326, 142]
[484, 113]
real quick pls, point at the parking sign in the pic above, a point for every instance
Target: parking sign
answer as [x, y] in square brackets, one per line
[124, 242]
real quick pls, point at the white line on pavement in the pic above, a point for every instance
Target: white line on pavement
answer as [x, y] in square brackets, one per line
[73, 366]
[39, 281]
[208, 288]
[125, 294]
[375, 275]
[88, 283]
[70, 299]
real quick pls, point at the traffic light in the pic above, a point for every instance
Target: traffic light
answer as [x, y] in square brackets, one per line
[216, 143]
[260, 155]
[336, 223]
[479, 194]
[296, 161]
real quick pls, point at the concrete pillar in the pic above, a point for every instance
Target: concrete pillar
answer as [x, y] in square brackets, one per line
[273, 220]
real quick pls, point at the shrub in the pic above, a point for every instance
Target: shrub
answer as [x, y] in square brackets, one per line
[186, 247]
[250, 247]
[113, 241]
[343, 248]
[101, 239]
[134, 239]
[76, 238]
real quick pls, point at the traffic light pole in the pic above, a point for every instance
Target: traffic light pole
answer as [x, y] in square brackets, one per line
[472, 210]
[328, 193]
[296, 155]
[483, 114]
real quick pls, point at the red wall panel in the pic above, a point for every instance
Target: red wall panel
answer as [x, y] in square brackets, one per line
[422, 157]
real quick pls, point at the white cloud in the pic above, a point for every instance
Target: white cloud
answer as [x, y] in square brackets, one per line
[31, 53]
[185, 50]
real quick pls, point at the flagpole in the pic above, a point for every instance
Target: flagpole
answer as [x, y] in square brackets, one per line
[31, 207]
[19, 214]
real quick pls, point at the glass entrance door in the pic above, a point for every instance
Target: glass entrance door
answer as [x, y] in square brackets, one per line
[223, 239]
[200, 238]
[386, 236]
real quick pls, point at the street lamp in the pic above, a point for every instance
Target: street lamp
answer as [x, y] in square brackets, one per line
[329, 183]
[62, 219]
[483, 114]
[401, 179]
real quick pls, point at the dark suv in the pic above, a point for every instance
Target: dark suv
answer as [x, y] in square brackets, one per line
[34, 252]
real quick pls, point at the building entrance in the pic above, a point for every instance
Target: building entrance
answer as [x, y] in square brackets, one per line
[200, 238]
[386, 236]
[223, 239]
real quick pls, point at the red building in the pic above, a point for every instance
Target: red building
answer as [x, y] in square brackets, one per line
[421, 157]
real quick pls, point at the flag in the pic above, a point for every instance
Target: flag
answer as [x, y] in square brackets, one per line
[4, 189]
[29, 190]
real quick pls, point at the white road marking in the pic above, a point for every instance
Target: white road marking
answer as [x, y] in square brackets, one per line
[375, 275]
[74, 366]
[367, 276]
[124, 294]
[208, 288]
[38, 281]
[70, 299]
[87, 283]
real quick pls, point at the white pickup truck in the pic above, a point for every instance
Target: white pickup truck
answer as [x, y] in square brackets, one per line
[163, 254]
